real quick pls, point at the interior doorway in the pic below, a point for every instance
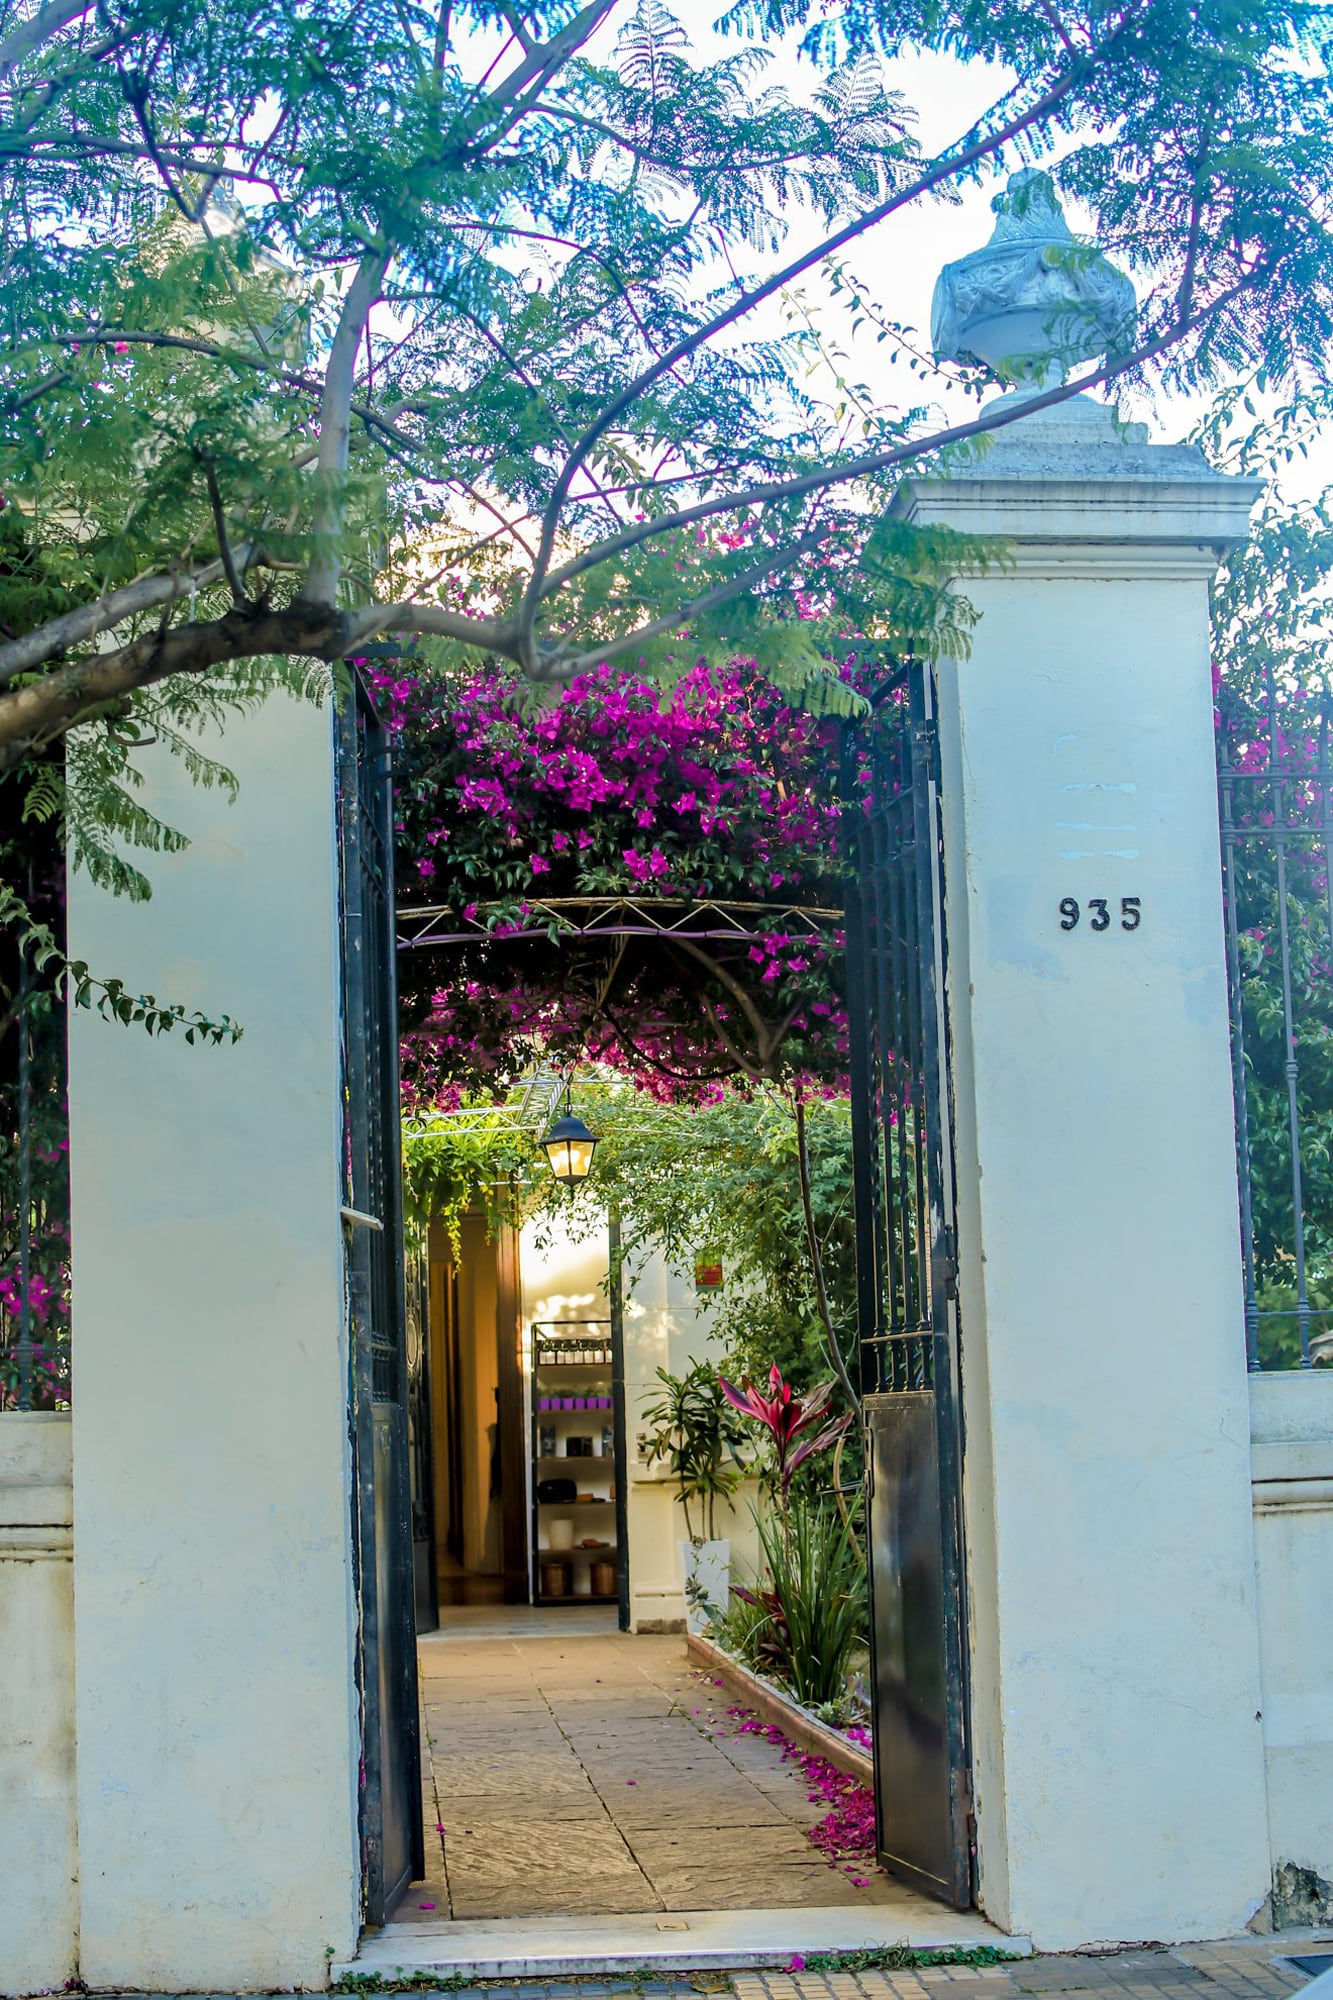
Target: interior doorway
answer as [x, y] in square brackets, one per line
[525, 1412]
[475, 1413]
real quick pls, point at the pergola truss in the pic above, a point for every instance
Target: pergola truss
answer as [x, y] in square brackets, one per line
[693, 919]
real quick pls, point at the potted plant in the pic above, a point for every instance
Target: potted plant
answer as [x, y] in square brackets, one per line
[692, 1430]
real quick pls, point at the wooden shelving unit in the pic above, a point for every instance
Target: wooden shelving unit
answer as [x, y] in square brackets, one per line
[576, 1397]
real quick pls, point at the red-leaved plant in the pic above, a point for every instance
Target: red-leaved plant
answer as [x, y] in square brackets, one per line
[790, 1421]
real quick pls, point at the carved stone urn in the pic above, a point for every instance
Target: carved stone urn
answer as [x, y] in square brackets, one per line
[1034, 301]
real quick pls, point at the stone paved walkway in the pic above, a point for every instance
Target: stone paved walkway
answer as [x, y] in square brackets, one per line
[596, 1775]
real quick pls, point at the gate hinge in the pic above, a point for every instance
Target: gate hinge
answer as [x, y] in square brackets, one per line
[966, 1805]
[930, 744]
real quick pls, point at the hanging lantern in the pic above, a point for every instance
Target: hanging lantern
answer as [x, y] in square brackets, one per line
[569, 1147]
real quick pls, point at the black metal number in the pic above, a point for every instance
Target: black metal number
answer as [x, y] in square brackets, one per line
[1131, 913]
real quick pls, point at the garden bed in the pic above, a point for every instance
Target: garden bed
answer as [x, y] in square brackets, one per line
[774, 1705]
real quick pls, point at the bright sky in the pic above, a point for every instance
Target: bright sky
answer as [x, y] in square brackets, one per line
[899, 261]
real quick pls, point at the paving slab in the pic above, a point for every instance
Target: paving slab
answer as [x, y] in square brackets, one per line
[560, 1866]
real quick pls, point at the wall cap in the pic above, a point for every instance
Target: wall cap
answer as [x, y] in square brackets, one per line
[1073, 473]
[1292, 1407]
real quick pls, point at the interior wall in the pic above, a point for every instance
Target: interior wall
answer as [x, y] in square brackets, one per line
[478, 1285]
[444, 1470]
[479, 1381]
[667, 1325]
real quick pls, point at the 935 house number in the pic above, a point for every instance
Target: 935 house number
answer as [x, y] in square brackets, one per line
[1099, 913]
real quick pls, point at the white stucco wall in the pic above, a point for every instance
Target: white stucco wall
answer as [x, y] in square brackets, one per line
[666, 1326]
[1114, 1636]
[217, 1731]
[1292, 1419]
[39, 1878]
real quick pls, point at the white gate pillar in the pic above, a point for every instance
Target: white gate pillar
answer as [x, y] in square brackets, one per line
[214, 1616]
[1119, 1776]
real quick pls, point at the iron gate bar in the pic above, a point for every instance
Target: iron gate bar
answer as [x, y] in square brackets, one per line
[26, 1350]
[1278, 810]
[620, 1415]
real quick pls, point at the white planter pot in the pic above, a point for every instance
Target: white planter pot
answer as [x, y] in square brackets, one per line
[707, 1571]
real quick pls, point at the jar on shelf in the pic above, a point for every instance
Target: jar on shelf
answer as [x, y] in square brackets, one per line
[556, 1578]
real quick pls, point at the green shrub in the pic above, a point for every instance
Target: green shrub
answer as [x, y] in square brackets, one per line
[810, 1617]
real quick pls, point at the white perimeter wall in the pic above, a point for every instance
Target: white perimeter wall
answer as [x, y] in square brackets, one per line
[1292, 1417]
[39, 1878]
[1293, 1503]
[217, 1730]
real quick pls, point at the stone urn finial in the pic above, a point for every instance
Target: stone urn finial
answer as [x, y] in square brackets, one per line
[1034, 300]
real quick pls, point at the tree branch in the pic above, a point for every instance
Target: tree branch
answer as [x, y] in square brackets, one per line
[32, 716]
[540, 64]
[671, 621]
[335, 428]
[233, 575]
[998, 418]
[489, 635]
[38, 29]
[943, 170]
[817, 1258]
[73, 627]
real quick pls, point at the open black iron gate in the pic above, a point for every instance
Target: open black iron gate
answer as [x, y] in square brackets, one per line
[906, 1288]
[393, 1851]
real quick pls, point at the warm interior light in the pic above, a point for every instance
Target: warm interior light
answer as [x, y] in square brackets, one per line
[569, 1148]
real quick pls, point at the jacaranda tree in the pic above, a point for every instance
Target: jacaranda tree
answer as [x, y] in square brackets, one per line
[384, 317]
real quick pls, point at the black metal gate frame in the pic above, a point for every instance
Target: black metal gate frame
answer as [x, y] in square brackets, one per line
[392, 1834]
[906, 1286]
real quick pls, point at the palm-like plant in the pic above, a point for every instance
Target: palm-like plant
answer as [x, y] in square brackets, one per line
[692, 1430]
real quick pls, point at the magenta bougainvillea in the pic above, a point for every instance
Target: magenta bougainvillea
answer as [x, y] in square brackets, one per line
[845, 1836]
[526, 817]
